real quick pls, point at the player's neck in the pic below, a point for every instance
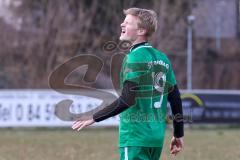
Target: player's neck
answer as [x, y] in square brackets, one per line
[139, 40]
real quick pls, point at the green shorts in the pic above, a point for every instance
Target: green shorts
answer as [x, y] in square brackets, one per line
[140, 153]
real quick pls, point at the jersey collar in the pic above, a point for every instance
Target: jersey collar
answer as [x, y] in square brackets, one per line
[134, 47]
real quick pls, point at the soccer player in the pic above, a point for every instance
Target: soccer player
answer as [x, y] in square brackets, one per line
[147, 82]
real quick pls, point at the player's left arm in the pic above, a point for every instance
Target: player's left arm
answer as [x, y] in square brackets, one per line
[126, 100]
[178, 125]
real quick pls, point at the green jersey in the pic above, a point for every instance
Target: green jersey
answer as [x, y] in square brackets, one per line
[144, 123]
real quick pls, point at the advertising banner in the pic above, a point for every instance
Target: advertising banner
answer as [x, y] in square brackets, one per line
[36, 108]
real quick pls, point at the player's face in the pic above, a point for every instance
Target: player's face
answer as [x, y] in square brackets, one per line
[129, 29]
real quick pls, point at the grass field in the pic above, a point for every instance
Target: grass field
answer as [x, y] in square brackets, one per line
[101, 144]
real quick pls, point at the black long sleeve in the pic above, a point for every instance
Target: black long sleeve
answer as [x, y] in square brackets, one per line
[126, 100]
[176, 107]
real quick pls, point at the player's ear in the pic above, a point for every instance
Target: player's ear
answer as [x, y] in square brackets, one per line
[142, 32]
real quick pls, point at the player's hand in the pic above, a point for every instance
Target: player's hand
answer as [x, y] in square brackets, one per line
[176, 145]
[80, 124]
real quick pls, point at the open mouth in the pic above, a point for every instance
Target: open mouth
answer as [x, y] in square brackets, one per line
[123, 31]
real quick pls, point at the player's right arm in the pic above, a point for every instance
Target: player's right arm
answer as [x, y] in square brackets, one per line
[175, 101]
[178, 125]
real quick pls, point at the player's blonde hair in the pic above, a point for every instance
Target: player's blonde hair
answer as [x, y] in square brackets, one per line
[148, 19]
